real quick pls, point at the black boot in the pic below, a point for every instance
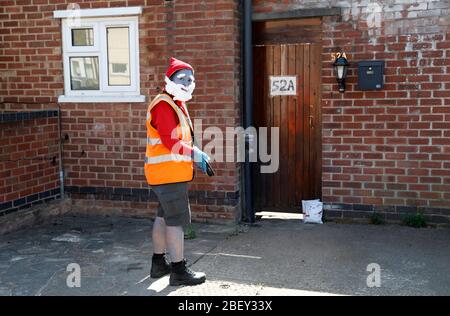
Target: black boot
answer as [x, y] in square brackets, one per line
[160, 266]
[182, 275]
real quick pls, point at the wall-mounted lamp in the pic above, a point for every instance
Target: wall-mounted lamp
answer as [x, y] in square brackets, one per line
[341, 68]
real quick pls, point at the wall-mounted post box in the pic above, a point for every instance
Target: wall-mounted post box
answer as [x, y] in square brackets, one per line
[371, 75]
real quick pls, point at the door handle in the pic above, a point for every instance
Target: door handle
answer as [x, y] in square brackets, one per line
[311, 121]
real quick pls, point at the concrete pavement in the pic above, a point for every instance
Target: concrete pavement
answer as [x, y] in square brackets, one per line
[279, 257]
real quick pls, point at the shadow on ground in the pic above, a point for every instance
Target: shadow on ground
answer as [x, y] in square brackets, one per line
[279, 257]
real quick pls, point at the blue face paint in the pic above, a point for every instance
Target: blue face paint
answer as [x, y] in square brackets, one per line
[184, 77]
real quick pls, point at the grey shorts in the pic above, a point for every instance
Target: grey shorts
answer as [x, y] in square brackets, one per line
[173, 204]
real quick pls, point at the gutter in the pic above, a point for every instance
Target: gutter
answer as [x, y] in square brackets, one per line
[248, 107]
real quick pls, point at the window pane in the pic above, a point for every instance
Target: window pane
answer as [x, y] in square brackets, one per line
[119, 56]
[82, 37]
[84, 73]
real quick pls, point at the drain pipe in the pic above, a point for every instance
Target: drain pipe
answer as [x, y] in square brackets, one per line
[61, 168]
[248, 106]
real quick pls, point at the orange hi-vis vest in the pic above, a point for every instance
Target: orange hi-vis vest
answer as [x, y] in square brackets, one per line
[162, 166]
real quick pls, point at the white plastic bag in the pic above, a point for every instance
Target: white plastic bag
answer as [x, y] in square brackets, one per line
[313, 211]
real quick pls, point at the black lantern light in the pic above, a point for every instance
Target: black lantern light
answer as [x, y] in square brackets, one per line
[341, 68]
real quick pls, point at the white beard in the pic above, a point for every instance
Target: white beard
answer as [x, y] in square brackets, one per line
[178, 90]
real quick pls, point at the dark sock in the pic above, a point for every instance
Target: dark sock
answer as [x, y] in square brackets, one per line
[157, 256]
[178, 266]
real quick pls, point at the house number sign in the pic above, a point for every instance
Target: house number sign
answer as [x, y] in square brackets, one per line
[283, 85]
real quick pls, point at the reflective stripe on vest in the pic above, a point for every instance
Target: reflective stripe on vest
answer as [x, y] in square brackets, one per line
[154, 141]
[167, 158]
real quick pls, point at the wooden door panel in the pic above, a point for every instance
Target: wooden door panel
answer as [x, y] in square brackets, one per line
[291, 130]
[299, 175]
[276, 103]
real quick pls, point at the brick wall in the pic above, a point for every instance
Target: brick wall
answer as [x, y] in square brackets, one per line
[386, 150]
[106, 142]
[29, 159]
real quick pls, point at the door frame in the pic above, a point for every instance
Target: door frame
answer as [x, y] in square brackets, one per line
[318, 98]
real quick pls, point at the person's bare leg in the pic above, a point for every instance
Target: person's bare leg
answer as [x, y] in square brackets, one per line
[175, 243]
[160, 266]
[181, 274]
[159, 236]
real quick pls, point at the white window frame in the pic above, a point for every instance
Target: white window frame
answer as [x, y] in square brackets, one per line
[95, 19]
[67, 37]
[132, 25]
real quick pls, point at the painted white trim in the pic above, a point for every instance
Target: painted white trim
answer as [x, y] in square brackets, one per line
[102, 99]
[87, 13]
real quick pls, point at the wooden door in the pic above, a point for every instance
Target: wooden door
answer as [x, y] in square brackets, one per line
[298, 118]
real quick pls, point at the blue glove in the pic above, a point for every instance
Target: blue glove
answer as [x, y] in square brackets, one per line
[200, 159]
